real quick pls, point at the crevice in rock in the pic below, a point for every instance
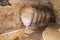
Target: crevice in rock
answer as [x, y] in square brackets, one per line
[4, 3]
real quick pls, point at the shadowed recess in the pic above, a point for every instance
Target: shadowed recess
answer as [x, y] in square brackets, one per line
[4, 3]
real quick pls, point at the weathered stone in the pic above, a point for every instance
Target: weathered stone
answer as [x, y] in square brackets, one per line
[21, 3]
[56, 7]
[12, 35]
[9, 18]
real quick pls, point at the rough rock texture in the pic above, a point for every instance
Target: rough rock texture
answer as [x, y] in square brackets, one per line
[9, 18]
[10, 21]
[21, 3]
[56, 6]
[10, 14]
[20, 35]
[13, 35]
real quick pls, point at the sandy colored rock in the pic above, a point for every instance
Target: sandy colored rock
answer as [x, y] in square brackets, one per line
[51, 33]
[55, 4]
[10, 21]
[56, 7]
[9, 18]
[21, 3]
[20, 35]
[12, 35]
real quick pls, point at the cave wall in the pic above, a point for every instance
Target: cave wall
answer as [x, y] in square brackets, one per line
[10, 17]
